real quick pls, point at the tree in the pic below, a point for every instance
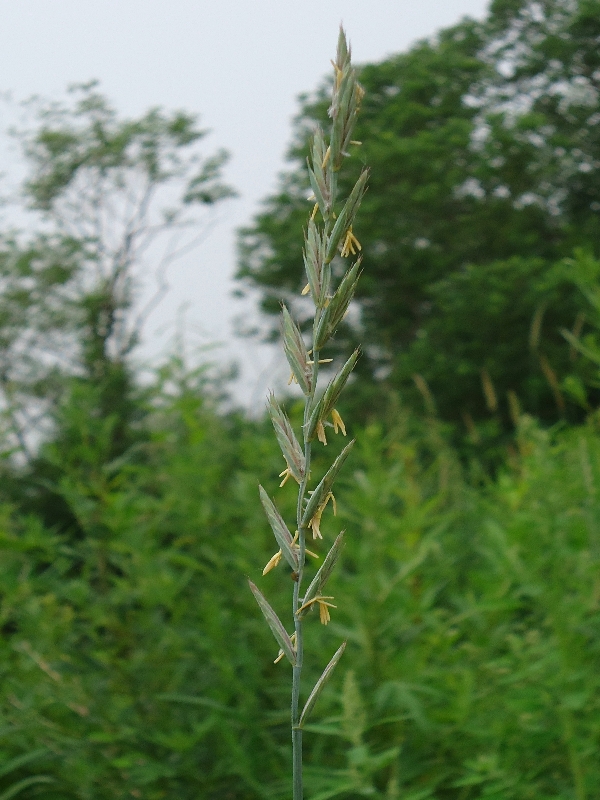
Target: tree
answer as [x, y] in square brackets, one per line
[112, 198]
[483, 181]
[113, 201]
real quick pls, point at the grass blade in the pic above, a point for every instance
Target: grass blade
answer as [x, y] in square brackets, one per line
[18, 787]
[20, 761]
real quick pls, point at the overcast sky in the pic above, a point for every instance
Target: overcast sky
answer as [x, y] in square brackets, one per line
[240, 65]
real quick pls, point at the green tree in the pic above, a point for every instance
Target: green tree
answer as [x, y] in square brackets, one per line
[483, 179]
[113, 201]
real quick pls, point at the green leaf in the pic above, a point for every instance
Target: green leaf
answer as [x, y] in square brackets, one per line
[280, 529]
[18, 787]
[340, 789]
[592, 353]
[318, 688]
[273, 621]
[193, 700]
[20, 761]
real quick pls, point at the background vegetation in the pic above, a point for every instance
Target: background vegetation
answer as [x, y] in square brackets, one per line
[483, 146]
[133, 661]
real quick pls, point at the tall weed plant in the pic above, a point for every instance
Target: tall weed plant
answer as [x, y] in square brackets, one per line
[329, 234]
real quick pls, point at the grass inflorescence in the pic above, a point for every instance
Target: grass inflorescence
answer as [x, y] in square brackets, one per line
[329, 234]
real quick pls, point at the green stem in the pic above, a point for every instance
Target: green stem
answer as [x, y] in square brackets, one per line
[298, 792]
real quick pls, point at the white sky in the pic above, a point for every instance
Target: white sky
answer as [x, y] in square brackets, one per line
[241, 66]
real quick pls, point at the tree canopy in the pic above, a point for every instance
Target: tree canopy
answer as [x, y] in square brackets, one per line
[114, 202]
[483, 144]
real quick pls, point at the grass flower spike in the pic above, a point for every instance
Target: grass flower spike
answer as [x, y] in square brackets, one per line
[329, 234]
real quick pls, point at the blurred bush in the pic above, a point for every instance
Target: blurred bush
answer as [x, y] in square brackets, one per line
[132, 655]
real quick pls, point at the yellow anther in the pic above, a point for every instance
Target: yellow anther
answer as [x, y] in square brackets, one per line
[351, 244]
[321, 433]
[281, 654]
[315, 522]
[272, 562]
[338, 422]
[285, 475]
[324, 607]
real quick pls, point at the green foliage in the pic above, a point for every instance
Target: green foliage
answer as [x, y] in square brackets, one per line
[483, 148]
[129, 641]
[520, 300]
[107, 192]
[118, 632]
[88, 137]
[472, 625]
[585, 272]
[129, 520]
[13, 788]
